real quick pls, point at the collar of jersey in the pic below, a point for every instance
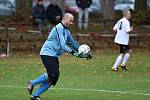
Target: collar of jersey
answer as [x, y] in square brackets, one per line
[64, 26]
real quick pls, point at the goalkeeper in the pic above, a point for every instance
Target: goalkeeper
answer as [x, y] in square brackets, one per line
[59, 40]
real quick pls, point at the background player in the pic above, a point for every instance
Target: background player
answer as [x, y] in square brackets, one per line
[122, 27]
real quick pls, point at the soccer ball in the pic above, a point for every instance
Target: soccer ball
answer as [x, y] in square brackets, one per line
[84, 49]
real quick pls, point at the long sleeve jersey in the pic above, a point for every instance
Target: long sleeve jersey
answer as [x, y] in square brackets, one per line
[59, 40]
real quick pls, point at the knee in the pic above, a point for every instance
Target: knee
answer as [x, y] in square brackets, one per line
[130, 51]
[121, 54]
[49, 82]
[46, 75]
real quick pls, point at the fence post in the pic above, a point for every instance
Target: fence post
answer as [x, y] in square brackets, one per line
[7, 42]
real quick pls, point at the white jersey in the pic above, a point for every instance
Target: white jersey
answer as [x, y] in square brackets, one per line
[122, 27]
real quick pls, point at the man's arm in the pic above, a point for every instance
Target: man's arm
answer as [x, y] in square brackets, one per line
[62, 41]
[34, 11]
[115, 27]
[128, 28]
[115, 30]
[72, 42]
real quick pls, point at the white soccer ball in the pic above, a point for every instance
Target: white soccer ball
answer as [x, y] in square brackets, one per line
[84, 49]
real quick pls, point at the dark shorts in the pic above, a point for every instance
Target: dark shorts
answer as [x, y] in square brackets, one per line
[52, 67]
[124, 48]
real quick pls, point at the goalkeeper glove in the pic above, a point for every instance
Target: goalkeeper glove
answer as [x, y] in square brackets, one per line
[80, 55]
[77, 54]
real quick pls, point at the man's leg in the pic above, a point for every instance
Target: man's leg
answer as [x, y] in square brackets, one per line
[119, 58]
[41, 79]
[117, 63]
[40, 24]
[125, 59]
[43, 87]
[80, 15]
[86, 18]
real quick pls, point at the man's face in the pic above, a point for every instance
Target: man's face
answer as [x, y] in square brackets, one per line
[53, 2]
[40, 2]
[69, 21]
[128, 14]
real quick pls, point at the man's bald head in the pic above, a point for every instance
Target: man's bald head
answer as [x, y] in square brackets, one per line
[68, 15]
[68, 19]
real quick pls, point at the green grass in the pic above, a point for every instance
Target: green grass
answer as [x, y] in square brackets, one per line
[79, 79]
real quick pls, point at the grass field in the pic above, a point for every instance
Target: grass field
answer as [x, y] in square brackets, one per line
[80, 79]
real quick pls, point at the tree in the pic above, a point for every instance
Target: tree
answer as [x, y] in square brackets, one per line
[107, 7]
[23, 8]
[61, 4]
[141, 14]
[140, 5]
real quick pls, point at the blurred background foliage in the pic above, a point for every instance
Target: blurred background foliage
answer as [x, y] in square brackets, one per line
[141, 13]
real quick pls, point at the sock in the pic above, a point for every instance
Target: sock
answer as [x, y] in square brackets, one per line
[40, 79]
[118, 61]
[125, 59]
[43, 87]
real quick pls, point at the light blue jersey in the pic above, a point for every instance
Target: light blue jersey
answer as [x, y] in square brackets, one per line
[59, 40]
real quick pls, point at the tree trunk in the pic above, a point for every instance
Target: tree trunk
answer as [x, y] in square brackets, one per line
[61, 4]
[24, 7]
[140, 5]
[107, 7]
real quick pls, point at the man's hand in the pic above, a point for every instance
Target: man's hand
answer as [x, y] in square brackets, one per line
[77, 54]
[80, 55]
